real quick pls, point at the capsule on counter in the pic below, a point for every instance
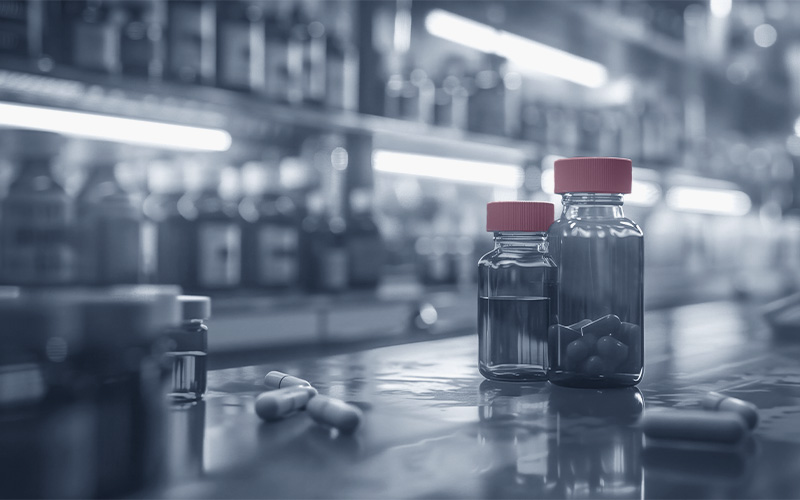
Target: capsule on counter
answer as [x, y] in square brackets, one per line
[335, 413]
[280, 380]
[715, 401]
[694, 425]
[278, 404]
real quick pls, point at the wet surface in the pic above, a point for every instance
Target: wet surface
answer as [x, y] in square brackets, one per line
[434, 427]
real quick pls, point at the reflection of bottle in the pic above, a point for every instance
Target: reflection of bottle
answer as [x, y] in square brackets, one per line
[216, 234]
[37, 217]
[366, 251]
[598, 464]
[110, 225]
[270, 235]
[166, 230]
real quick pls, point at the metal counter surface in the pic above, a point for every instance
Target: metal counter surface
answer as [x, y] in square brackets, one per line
[434, 428]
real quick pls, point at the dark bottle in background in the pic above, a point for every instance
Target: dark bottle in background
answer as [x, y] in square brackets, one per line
[277, 62]
[315, 63]
[109, 226]
[296, 55]
[37, 216]
[365, 247]
[142, 40]
[487, 102]
[342, 64]
[215, 255]
[270, 235]
[240, 45]
[168, 231]
[191, 55]
[14, 21]
[96, 36]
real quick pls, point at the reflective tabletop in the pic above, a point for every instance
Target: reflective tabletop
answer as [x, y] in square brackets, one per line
[433, 427]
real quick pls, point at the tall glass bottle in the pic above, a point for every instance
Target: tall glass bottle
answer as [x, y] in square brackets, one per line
[110, 224]
[600, 256]
[270, 234]
[215, 255]
[38, 217]
[516, 292]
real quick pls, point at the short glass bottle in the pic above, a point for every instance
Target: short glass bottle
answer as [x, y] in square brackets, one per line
[516, 293]
[598, 341]
[189, 349]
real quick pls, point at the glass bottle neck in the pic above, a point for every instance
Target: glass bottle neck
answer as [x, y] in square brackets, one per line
[531, 242]
[592, 205]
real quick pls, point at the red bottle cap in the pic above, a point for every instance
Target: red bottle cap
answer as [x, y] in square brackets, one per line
[593, 175]
[525, 216]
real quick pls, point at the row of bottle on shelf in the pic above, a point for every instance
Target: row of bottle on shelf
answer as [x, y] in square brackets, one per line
[302, 52]
[184, 231]
[290, 51]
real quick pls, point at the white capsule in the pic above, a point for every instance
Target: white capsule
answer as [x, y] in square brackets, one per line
[694, 425]
[332, 412]
[279, 380]
[278, 404]
[715, 401]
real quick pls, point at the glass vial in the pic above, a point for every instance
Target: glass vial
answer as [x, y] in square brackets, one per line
[189, 349]
[600, 256]
[516, 292]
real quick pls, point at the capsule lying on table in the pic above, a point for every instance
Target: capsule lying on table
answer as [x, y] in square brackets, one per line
[694, 425]
[715, 401]
[278, 404]
[279, 380]
[334, 413]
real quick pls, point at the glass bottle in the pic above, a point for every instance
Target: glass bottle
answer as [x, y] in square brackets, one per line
[365, 246]
[189, 349]
[38, 217]
[215, 231]
[166, 229]
[516, 292]
[270, 234]
[600, 256]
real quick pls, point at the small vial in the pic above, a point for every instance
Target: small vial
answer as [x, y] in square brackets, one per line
[281, 403]
[516, 293]
[190, 349]
[715, 401]
[694, 425]
[334, 413]
[280, 380]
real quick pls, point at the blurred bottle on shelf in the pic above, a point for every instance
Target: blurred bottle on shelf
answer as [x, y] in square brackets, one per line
[451, 104]
[534, 123]
[270, 235]
[590, 123]
[96, 36]
[37, 216]
[315, 51]
[167, 233]
[411, 97]
[323, 240]
[109, 226]
[240, 45]
[191, 36]
[365, 247]
[342, 61]
[487, 98]
[280, 61]
[296, 55]
[215, 253]
[142, 46]
[14, 21]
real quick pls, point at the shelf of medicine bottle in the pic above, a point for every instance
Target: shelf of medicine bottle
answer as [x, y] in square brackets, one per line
[246, 116]
[636, 32]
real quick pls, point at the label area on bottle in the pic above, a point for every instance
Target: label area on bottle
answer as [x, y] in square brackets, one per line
[277, 253]
[219, 254]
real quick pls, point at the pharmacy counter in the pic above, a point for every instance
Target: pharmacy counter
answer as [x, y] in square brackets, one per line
[434, 428]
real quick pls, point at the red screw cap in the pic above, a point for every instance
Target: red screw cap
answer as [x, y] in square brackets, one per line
[593, 175]
[525, 216]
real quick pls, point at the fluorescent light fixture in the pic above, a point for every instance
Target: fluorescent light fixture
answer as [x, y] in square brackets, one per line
[452, 169]
[524, 52]
[643, 193]
[114, 128]
[720, 8]
[708, 200]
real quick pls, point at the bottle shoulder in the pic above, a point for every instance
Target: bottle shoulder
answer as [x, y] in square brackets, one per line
[620, 227]
[502, 257]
